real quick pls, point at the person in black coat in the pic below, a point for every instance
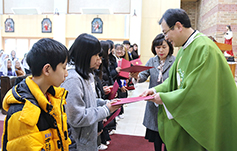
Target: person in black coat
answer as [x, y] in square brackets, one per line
[132, 54]
[113, 67]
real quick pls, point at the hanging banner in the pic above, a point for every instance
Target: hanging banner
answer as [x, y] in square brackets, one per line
[97, 26]
[9, 25]
[46, 25]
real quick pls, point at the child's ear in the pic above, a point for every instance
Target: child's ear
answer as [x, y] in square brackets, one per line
[46, 69]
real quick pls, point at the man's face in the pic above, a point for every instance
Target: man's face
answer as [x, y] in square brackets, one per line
[170, 34]
[126, 46]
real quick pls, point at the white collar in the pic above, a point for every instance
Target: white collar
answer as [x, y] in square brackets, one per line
[69, 67]
[191, 39]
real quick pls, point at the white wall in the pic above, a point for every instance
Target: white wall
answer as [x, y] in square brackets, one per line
[45, 6]
[135, 23]
[117, 6]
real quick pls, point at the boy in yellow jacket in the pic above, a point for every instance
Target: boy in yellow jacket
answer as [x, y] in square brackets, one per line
[36, 118]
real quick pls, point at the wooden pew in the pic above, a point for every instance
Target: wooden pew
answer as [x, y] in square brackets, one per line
[7, 82]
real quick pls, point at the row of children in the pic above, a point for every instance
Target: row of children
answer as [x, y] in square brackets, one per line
[105, 77]
[38, 117]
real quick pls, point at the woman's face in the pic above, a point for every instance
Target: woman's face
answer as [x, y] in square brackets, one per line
[13, 53]
[95, 61]
[17, 64]
[119, 51]
[135, 47]
[162, 51]
[9, 64]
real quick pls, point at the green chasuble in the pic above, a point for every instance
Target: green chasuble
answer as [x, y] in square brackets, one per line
[201, 95]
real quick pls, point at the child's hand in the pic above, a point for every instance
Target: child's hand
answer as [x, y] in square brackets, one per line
[123, 89]
[113, 108]
[118, 69]
[104, 120]
[106, 89]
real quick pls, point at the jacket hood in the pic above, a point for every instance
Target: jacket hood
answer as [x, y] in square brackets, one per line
[28, 90]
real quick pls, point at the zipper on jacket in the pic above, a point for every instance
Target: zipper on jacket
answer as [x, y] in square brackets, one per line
[61, 109]
[64, 132]
[60, 142]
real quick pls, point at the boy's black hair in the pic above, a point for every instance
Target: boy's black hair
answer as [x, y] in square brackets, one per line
[45, 51]
[81, 51]
[126, 42]
[171, 16]
[158, 41]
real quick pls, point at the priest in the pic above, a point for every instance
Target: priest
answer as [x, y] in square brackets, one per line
[198, 102]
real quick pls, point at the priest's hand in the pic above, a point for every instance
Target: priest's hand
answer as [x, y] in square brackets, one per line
[156, 99]
[147, 93]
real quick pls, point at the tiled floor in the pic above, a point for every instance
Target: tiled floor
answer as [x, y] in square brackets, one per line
[133, 114]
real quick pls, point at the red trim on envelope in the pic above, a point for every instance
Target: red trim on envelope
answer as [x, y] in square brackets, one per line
[131, 100]
[112, 117]
[124, 64]
[136, 62]
[114, 90]
[136, 68]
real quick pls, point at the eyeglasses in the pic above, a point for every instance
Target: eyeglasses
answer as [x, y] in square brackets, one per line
[118, 49]
[165, 33]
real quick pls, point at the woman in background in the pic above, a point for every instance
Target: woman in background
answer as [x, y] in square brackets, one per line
[25, 65]
[20, 71]
[113, 67]
[8, 68]
[13, 55]
[162, 61]
[135, 48]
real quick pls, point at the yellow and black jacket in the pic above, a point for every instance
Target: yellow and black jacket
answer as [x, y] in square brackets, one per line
[33, 123]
